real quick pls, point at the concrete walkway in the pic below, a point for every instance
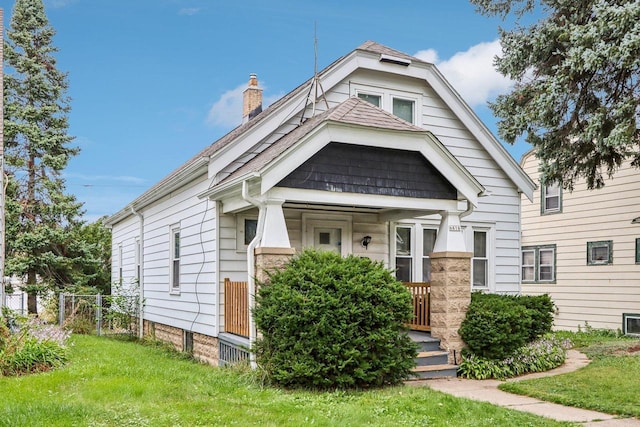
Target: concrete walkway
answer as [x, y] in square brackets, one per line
[487, 391]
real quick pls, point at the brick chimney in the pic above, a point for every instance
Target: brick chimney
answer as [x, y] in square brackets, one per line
[252, 99]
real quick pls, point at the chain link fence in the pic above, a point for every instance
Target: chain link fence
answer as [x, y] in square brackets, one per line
[16, 301]
[100, 314]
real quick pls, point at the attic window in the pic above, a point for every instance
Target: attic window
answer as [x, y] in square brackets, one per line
[395, 60]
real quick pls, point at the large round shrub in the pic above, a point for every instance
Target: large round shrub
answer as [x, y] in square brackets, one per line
[333, 322]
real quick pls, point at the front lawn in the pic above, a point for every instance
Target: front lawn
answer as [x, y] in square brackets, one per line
[114, 383]
[608, 384]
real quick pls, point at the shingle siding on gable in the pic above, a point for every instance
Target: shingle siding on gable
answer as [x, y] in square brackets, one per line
[367, 170]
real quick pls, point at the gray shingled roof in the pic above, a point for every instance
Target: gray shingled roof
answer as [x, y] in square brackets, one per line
[352, 111]
[368, 46]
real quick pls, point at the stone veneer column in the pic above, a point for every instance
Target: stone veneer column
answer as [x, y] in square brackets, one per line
[270, 259]
[450, 298]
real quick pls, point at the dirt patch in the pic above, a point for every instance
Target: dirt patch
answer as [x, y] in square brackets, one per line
[631, 350]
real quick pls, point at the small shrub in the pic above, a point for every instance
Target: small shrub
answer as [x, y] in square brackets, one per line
[539, 356]
[333, 322]
[496, 325]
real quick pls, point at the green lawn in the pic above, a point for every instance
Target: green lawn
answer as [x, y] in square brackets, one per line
[608, 384]
[114, 383]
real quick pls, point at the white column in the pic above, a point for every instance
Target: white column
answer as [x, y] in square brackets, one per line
[275, 228]
[450, 238]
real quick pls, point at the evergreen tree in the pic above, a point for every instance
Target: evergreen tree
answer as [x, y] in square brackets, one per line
[40, 216]
[577, 92]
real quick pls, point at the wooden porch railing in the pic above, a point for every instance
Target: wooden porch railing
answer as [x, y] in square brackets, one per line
[421, 298]
[236, 308]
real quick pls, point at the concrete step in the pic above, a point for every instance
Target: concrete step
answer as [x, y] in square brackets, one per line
[435, 371]
[426, 358]
[425, 341]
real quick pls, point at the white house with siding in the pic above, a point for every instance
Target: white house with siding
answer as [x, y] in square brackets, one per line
[583, 249]
[388, 162]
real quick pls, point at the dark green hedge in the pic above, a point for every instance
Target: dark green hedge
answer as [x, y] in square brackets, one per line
[497, 325]
[333, 322]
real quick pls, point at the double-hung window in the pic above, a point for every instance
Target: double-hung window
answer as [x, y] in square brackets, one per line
[428, 242]
[480, 260]
[551, 198]
[539, 264]
[120, 271]
[138, 259]
[404, 254]
[175, 259]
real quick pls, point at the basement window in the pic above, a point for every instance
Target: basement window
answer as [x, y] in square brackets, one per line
[600, 253]
[631, 324]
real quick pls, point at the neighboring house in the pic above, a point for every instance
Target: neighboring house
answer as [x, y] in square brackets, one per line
[389, 163]
[583, 249]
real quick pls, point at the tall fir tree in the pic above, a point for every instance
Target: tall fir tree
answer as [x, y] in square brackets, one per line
[40, 216]
[577, 92]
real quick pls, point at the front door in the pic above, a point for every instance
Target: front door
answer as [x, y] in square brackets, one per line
[327, 232]
[327, 239]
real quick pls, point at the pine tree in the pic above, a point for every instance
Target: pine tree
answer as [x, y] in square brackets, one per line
[577, 92]
[40, 216]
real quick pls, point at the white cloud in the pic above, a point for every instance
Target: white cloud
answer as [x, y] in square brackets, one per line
[471, 72]
[133, 180]
[189, 11]
[226, 112]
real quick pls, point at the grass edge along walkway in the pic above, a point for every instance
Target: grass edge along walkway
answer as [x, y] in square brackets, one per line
[109, 382]
[608, 384]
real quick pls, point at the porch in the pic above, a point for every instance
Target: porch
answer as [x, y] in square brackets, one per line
[236, 307]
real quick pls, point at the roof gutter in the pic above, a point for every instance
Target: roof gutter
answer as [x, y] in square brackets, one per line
[161, 189]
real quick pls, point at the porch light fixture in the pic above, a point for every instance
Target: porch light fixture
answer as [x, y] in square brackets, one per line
[635, 220]
[365, 241]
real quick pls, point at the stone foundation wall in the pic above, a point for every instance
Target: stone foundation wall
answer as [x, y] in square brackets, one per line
[169, 334]
[205, 347]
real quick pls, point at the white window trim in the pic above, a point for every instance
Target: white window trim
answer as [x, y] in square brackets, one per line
[387, 95]
[468, 229]
[417, 242]
[240, 219]
[174, 290]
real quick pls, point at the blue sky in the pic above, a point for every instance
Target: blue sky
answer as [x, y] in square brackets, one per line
[152, 82]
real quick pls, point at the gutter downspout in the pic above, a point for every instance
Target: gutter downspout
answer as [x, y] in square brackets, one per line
[251, 265]
[468, 211]
[141, 278]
